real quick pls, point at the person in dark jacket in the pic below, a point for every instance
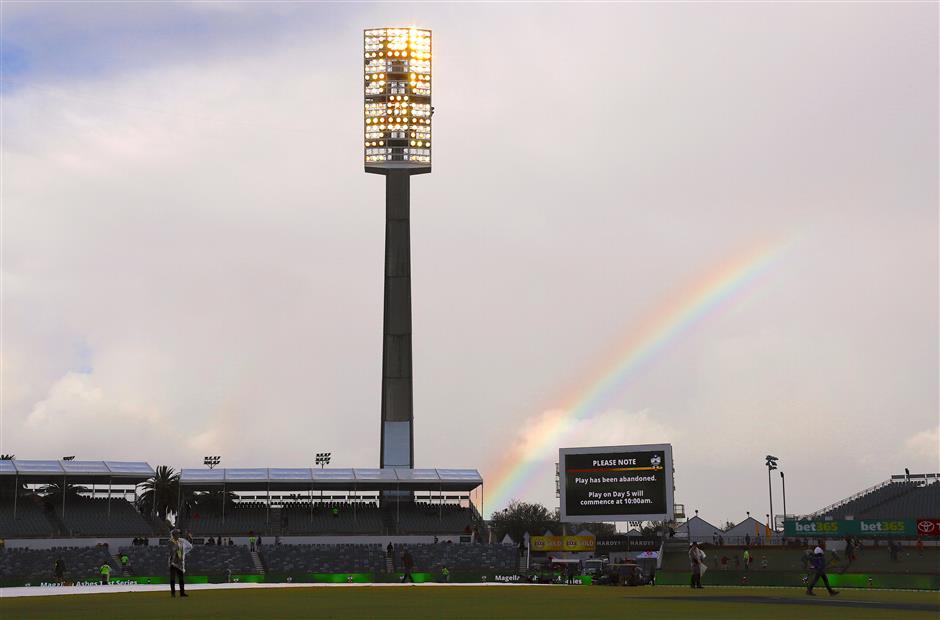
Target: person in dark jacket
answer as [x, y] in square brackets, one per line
[408, 563]
[818, 563]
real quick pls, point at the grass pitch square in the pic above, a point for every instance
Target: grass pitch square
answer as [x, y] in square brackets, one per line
[476, 603]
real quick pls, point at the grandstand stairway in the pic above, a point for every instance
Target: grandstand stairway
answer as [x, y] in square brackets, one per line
[258, 564]
[389, 564]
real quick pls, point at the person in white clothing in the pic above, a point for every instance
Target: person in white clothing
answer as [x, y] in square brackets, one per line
[697, 562]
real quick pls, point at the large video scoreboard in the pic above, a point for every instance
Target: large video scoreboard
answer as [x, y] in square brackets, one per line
[616, 483]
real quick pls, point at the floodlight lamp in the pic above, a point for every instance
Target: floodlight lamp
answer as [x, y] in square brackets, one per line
[68, 458]
[403, 75]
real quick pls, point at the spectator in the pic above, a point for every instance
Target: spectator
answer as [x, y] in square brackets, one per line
[747, 540]
[408, 564]
[445, 574]
[335, 512]
[747, 559]
[721, 540]
[724, 562]
[258, 543]
[210, 542]
[105, 571]
[894, 548]
[230, 541]
[920, 546]
[251, 541]
[125, 561]
[697, 563]
[219, 541]
[715, 538]
[819, 572]
[389, 550]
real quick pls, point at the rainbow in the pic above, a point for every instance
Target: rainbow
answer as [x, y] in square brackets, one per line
[677, 316]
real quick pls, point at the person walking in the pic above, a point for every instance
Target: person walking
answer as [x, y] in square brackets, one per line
[251, 541]
[747, 559]
[408, 563]
[105, 571]
[178, 547]
[697, 562]
[58, 569]
[818, 563]
[445, 574]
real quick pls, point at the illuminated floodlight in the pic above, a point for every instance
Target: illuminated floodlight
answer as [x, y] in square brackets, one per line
[397, 99]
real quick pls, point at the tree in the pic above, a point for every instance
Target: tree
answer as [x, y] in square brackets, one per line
[211, 501]
[7, 491]
[53, 491]
[521, 517]
[160, 493]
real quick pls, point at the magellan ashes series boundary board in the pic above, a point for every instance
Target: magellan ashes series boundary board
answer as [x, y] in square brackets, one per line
[616, 483]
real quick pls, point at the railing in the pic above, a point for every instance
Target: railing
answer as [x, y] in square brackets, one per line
[843, 502]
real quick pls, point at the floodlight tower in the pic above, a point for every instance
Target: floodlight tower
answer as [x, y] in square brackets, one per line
[397, 128]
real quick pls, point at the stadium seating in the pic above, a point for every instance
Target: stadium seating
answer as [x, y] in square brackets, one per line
[363, 518]
[240, 518]
[81, 563]
[917, 502]
[488, 558]
[85, 516]
[422, 518]
[894, 500]
[360, 518]
[293, 559]
[202, 560]
[31, 520]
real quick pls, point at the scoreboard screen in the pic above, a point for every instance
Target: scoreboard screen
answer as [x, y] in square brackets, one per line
[616, 483]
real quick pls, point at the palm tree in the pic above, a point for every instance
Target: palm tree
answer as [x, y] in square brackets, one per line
[7, 492]
[211, 501]
[53, 491]
[160, 493]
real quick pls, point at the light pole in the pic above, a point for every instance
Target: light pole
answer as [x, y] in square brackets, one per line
[211, 462]
[397, 138]
[771, 465]
[323, 459]
[783, 481]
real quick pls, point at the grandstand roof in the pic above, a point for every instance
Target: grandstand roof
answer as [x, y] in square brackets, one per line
[286, 479]
[88, 472]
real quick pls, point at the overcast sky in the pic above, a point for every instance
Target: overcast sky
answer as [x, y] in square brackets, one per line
[192, 254]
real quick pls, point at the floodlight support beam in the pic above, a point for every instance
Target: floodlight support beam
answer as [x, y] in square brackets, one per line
[397, 410]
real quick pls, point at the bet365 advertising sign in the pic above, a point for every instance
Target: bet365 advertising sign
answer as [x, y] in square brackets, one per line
[819, 528]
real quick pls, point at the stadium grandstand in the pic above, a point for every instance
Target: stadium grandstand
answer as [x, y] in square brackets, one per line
[883, 524]
[84, 514]
[905, 495]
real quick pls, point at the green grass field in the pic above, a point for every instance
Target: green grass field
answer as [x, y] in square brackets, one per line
[486, 603]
